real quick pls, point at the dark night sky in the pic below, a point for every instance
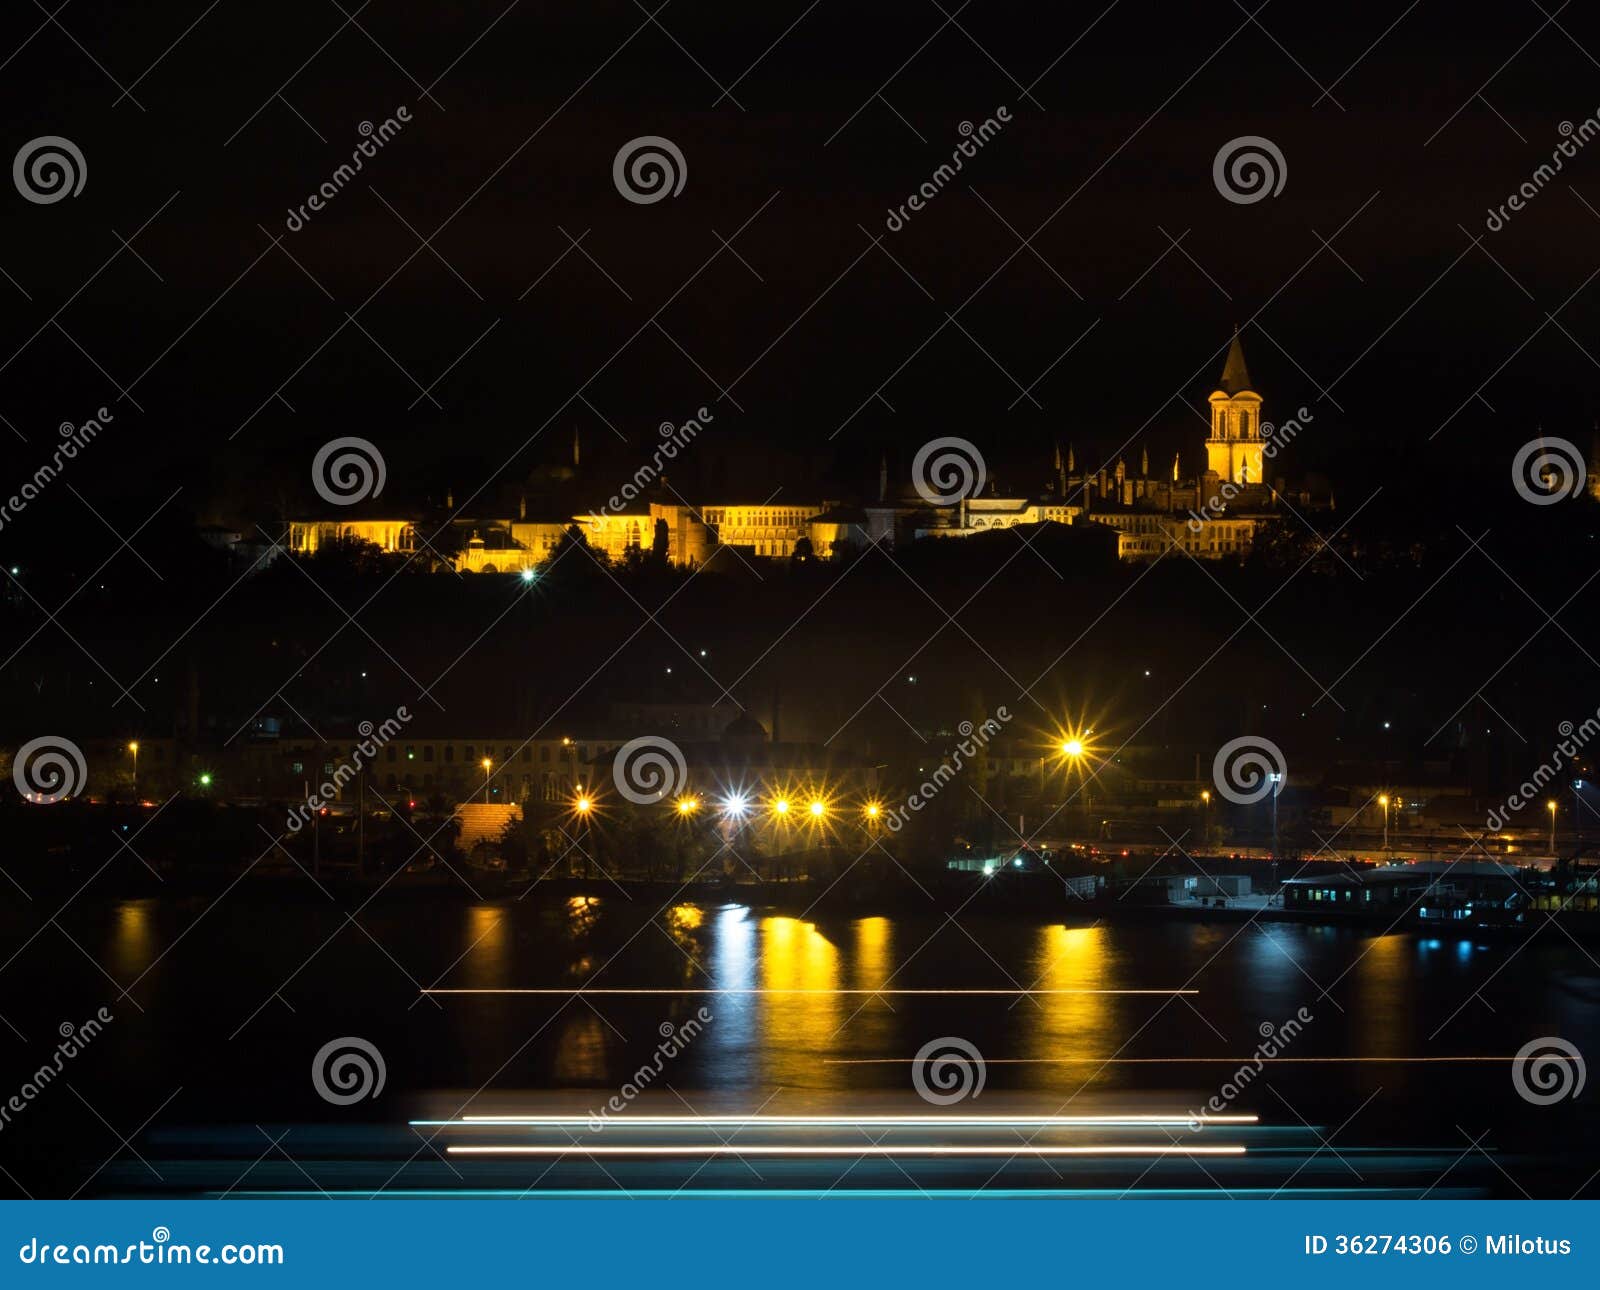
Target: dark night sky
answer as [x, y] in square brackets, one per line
[516, 143]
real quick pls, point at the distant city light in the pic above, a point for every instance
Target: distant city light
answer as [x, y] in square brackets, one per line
[818, 807]
[1072, 747]
[205, 781]
[687, 806]
[528, 575]
[781, 806]
[735, 806]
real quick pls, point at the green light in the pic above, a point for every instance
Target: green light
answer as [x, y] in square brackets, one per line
[205, 781]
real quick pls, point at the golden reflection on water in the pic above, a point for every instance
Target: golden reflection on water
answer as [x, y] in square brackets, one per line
[487, 962]
[874, 946]
[794, 1030]
[1081, 1027]
[1384, 983]
[132, 939]
[580, 1056]
[875, 1030]
[682, 923]
[583, 913]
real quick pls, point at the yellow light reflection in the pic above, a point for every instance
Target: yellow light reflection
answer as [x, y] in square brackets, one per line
[793, 1030]
[1079, 1027]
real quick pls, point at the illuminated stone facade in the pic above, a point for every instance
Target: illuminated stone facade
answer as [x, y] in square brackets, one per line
[1213, 516]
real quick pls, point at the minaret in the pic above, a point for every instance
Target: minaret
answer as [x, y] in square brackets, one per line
[883, 476]
[1234, 449]
[1175, 467]
[1072, 460]
[1144, 463]
[577, 448]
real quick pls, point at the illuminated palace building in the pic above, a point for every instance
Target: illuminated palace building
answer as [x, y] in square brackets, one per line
[1214, 515]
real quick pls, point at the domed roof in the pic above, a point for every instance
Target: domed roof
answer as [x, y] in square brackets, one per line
[744, 726]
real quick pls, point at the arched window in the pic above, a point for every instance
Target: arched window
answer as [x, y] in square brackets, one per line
[449, 752]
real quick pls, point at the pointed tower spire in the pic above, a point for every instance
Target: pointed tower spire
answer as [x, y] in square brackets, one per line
[883, 475]
[1072, 460]
[1174, 468]
[1144, 463]
[1235, 375]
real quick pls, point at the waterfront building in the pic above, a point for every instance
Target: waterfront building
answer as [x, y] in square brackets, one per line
[1216, 513]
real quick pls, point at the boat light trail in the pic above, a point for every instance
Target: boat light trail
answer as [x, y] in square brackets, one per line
[725, 1149]
[1177, 1061]
[1173, 1120]
[821, 990]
